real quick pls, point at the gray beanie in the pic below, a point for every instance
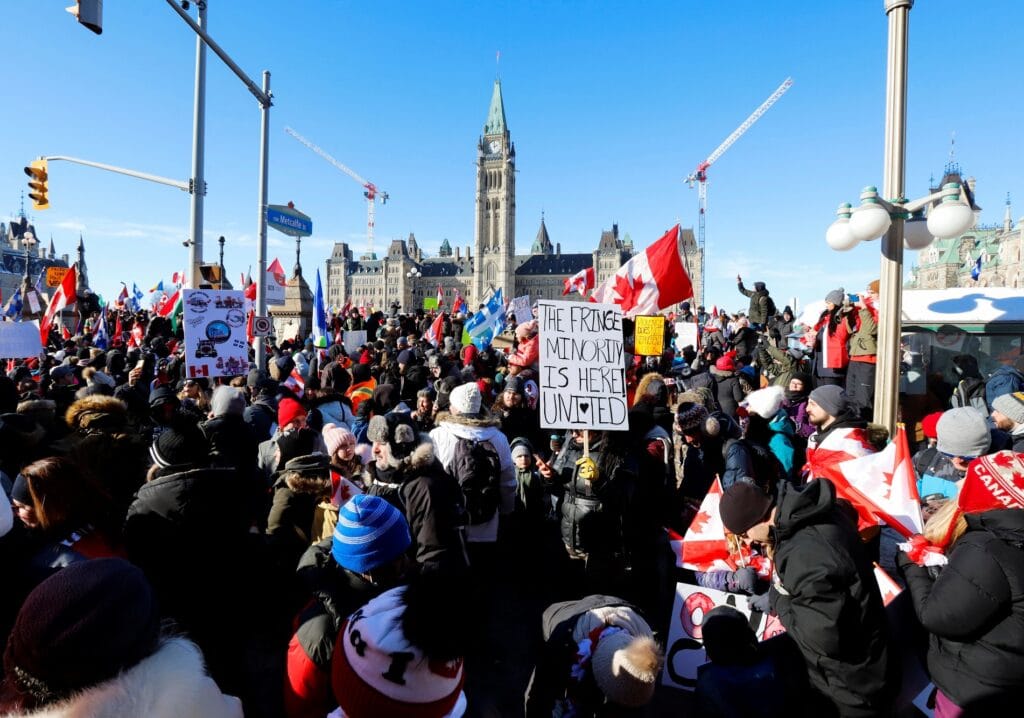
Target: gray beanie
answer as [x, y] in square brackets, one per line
[831, 398]
[963, 432]
[1011, 406]
[227, 400]
[836, 296]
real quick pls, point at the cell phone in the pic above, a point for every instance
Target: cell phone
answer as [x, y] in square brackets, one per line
[853, 298]
[141, 364]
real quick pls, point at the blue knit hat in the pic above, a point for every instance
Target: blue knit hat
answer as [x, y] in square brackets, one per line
[370, 533]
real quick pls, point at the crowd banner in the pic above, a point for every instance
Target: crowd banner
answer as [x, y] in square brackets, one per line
[686, 335]
[19, 340]
[353, 339]
[215, 339]
[684, 652]
[582, 367]
[649, 336]
[521, 308]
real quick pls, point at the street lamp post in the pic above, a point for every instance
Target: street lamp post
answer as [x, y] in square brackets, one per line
[220, 281]
[197, 183]
[901, 222]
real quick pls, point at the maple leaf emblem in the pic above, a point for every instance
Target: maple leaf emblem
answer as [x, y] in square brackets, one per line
[700, 521]
[1018, 481]
[629, 293]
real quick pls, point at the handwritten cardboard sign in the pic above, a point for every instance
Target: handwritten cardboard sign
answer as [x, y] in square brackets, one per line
[685, 648]
[582, 368]
[650, 336]
[521, 308]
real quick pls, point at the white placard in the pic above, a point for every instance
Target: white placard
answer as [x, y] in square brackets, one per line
[582, 367]
[686, 335]
[33, 301]
[19, 340]
[215, 341]
[353, 340]
[275, 288]
[522, 310]
[685, 652]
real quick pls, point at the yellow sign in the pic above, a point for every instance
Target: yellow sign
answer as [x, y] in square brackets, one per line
[55, 275]
[650, 336]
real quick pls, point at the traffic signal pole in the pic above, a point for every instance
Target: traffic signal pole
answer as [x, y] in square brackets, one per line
[198, 181]
[183, 186]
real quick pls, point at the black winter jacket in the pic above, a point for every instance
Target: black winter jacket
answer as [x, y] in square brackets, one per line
[829, 600]
[432, 503]
[974, 610]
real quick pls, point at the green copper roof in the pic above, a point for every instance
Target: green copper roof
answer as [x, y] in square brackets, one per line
[495, 124]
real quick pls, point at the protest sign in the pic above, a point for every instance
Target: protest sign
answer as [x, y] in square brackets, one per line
[686, 335]
[649, 336]
[215, 341]
[353, 340]
[19, 340]
[275, 281]
[33, 301]
[521, 309]
[55, 275]
[582, 369]
[685, 648]
[429, 303]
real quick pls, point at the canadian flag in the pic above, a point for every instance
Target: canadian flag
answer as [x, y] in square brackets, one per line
[650, 281]
[64, 297]
[296, 383]
[883, 487]
[167, 306]
[433, 334]
[343, 491]
[704, 547]
[886, 586]
[458, 304]
[583, 281]
[440, 295]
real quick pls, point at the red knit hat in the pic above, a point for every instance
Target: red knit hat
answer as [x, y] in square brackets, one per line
[929, 425]
[726, 362]
[288, 411]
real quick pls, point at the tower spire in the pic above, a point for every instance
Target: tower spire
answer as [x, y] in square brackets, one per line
[495, 124]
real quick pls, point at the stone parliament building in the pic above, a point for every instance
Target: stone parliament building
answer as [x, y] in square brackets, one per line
[406, 276]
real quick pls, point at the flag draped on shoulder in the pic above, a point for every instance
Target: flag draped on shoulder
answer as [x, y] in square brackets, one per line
[583, 281]
[651, 280]
[487, 323]
[320, 338]
[64, 297]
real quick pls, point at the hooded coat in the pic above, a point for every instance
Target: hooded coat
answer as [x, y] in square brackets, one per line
[974, 610]
[828, 600]
[758, 310]
[446, 435]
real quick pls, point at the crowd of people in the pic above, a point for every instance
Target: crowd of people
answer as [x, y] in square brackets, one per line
[341, 534]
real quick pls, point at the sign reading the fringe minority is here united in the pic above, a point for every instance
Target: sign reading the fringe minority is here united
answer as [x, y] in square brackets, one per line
[582, 368]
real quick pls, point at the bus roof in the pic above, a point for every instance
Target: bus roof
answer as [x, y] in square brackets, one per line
[989, 307]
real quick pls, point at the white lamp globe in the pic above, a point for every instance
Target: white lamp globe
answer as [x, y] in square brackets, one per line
[915, 234]
[839, 237]
[869, 221]
[950, 219]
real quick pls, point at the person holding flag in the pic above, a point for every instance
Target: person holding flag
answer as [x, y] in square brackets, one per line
[458, 304]
[65, 296]
[14, 306]
[100, 338]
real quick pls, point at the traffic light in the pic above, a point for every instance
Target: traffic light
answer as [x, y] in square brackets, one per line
[88, 13]
[211, 275]
[37, 184]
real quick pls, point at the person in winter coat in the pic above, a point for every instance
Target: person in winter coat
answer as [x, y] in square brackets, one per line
[467, 420]
[599, 659]
[712, 450]
[261, 414]
[935, 471]
[860, 372]
[825, 593]
[838, 429]
[761, 305]
[974, 608]
[88, 642]
[231, 442]
[769, 427]
[406, 472]
[831, 355]
[365, 557]
[527, 352]
[517, 419]
[729, 390]
[304, 482]
[1007, 379]
[1008, 416]
[291, 417]
[795, 403]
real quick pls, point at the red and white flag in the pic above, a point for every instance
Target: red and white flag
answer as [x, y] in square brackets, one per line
[704, 547]
[168, 304]
[137, 335]
[652, 280]
[458, 304]
[440, 295]
[296, 383]
[344, 490]
[583, 281]
[883, 487]
[64, 297]
[433, 334]
[886, 586]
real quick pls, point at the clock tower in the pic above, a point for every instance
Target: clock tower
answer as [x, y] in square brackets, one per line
[495, 225]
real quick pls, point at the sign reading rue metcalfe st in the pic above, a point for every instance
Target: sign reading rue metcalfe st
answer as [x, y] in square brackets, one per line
[582, 368]
[285, 218]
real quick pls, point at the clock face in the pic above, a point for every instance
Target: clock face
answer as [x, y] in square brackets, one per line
[494, 147]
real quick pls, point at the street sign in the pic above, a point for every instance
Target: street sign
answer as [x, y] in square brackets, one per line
[261, 326]
[55, 275]
[288, 220]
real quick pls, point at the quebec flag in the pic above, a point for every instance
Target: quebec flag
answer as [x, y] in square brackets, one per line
[487, 323]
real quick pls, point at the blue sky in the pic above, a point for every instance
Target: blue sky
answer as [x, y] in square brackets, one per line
[610, 106]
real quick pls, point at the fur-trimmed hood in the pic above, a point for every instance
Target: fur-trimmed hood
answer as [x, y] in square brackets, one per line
[29, 406]
[641, 386]
[172, 682]
[481, 422]
[307, 483]
[97, 412]
[419, 460]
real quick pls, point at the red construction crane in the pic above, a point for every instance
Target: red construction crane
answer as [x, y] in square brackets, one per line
[700, 175]
[370, 190]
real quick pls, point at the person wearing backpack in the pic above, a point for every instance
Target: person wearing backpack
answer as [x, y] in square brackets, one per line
[471, 447]
[970, 388]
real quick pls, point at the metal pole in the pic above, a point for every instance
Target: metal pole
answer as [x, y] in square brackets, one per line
[198, 183]
[220, 281]
[261, 224]
[183, 186]
[887, 379]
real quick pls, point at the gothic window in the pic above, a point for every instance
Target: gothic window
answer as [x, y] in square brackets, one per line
[490, 273]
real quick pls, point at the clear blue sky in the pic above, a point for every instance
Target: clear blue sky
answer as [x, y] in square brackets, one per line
[610, 106]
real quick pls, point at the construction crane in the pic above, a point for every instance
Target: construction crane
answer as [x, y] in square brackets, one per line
[700, 175]
[370, 190]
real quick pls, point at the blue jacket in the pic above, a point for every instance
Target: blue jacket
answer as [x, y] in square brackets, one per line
[1004, 380]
